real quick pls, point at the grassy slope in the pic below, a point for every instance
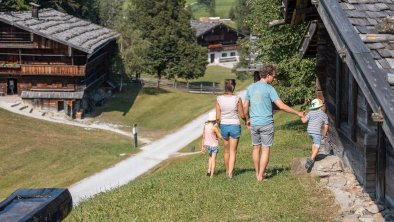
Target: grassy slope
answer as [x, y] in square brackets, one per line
[158, 111]
[41, 154]
[222, 8]
[36, 153]
[180, 191]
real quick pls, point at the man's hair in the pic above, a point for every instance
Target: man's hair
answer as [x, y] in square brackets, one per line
[256, 76]
[229, 85]
[267, 70]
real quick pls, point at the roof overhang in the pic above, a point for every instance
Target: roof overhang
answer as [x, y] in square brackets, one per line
[223, 25]
[358, 58]
[308, 46]
[298, 11]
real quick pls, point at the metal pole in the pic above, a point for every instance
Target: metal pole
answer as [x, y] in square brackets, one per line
[135, 135]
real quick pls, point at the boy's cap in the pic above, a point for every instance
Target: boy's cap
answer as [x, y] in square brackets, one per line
[316, 103]
[212, 116]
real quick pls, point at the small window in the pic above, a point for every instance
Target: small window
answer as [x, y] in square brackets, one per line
[224, 54]
[232, 54]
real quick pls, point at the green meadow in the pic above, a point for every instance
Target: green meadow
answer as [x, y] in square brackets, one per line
[179, 190]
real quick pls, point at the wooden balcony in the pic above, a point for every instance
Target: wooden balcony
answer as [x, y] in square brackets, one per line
[220, 47]
[49, 70]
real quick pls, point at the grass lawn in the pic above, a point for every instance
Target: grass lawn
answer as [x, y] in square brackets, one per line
[222, 8]
[159, 111]
[36, 153]
[219, 74]
[179, 190]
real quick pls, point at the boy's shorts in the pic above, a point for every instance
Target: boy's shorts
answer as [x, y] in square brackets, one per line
[230, 130]
[316, 139]
[262, 135]
[212, 149]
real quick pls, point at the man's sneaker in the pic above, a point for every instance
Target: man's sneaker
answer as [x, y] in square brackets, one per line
[309, 163]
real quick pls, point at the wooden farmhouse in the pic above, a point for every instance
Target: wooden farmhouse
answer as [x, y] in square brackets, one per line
[220, 39]
[52, 60]
[354, 52]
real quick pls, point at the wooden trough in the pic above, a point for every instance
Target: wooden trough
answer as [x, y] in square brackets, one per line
[47, 204]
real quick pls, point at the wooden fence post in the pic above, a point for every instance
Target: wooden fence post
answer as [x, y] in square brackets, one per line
[200, 87]
[214, 87]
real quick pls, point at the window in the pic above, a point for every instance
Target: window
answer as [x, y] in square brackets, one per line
[224, 54]
[232, 54]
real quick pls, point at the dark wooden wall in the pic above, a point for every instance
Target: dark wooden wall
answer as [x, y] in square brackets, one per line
[352, 134]
[220, 35]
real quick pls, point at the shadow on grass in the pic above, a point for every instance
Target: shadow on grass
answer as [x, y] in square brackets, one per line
[124, 101]
[153, 91]
[271, 171]
[292, 125]
[276, 170]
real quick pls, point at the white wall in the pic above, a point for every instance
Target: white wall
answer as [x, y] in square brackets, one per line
[219, 55]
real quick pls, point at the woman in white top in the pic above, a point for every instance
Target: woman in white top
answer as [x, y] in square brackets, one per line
[228, 108]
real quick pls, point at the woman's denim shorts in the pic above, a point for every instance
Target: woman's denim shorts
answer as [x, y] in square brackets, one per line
[230, 130]
[316, 139]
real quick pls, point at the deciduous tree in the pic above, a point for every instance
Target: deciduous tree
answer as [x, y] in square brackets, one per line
[173, 49]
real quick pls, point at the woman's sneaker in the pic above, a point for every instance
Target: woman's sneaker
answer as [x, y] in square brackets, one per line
[309, 164]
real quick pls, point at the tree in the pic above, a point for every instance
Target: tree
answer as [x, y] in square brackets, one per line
[133, 48]
[86, 9]
[278, 45]
[12, 5]
[108, 11]
[173, 49]
[241, 14]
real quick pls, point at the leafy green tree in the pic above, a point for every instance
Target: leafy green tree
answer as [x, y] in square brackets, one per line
[108, 11]
[173, 49]
[13, 5]
[278, 45]
[86, 9]
[241, 14]
[133, 48]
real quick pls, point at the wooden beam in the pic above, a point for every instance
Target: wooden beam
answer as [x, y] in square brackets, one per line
[338, 70]
[352, 107]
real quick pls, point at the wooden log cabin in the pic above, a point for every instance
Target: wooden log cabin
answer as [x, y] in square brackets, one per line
[52, 60]
[354, 66]
[220, 39]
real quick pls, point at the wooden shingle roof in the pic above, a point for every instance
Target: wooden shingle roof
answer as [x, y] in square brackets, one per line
[62, 27]
[365, 15]
[203, 27]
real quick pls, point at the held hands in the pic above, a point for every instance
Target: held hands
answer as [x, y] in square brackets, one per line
[203, 149]
[301, 114]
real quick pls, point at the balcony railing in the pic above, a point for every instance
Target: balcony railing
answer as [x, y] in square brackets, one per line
[54, 70]
[15, 37]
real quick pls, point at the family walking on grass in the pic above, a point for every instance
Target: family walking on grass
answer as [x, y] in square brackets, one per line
[256, 112]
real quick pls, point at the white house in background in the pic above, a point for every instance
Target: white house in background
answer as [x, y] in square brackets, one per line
[220, 39]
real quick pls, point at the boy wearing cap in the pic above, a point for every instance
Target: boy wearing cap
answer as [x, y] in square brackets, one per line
[317, 128]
